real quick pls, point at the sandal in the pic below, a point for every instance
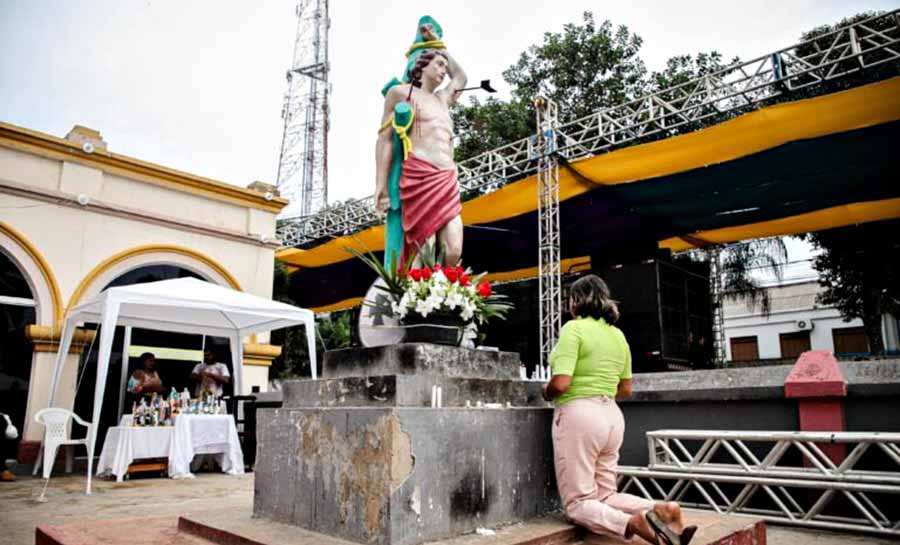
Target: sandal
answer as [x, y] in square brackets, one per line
[664, 534]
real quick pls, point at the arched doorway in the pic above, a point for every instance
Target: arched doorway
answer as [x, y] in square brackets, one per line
[176, 353]
[17, 312]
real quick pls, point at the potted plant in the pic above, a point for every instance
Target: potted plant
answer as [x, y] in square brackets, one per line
[436, 303]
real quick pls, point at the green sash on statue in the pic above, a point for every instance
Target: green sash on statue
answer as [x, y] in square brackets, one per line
[393, 233]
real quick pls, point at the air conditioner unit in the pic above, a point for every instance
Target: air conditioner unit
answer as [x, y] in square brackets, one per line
[805, 325]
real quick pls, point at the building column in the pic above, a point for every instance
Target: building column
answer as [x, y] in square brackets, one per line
[45, 340]
[257, 360]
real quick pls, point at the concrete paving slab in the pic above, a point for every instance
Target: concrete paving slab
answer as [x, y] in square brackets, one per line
[67, 503]
[130, 531]
[228, 528]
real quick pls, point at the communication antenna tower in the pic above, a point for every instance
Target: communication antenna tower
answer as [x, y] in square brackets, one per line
[303, 162]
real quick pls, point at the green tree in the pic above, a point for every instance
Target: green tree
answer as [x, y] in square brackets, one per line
[679, 71]
[333, 332]
[483, 126]
[738, 263]
[859, 267]
[583, 68]
[825, 44]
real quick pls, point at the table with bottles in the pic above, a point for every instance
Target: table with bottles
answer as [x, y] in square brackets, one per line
[177, 428]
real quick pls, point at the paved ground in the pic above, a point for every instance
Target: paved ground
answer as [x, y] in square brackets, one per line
[66, 502]
[210, 496]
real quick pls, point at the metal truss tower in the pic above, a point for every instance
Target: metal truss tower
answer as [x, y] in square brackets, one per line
[303, 161]
[714, 255]
[549, 280]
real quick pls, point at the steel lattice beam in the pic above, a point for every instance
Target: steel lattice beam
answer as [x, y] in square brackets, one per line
[780, 476]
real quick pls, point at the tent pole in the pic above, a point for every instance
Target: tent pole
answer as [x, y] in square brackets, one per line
[237, 361]
[107, 331]
[65, 342]
[311, 343]
[126, 345]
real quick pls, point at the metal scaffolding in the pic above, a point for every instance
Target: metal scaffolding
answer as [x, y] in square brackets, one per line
[714, 256]
[670, 111]
[780, 476]
[303, 162]
[549, 281]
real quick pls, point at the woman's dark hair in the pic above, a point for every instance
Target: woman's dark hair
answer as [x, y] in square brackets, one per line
[145, 356]
[590, 295]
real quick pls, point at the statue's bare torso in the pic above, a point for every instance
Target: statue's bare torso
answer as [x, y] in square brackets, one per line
[432, 130]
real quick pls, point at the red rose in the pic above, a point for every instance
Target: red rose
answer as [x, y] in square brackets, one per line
[426, 273]
[464, 279]
[484, 289]
[416, 274]
[460, 271]
[450, 273]
[437, 268]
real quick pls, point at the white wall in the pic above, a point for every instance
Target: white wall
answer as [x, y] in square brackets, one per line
[767, 331]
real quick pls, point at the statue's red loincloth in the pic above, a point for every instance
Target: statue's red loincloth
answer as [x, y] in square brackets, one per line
[430, 197]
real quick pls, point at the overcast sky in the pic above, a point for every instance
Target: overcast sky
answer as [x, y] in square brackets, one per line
[198, 85]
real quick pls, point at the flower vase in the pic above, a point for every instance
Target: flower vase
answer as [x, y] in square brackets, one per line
[446, 330]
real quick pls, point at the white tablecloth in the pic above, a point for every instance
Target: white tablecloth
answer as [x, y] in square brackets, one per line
[125, 444]
[191, 435]
[205, 434]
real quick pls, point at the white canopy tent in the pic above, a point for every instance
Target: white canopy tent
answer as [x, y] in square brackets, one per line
[183, 305]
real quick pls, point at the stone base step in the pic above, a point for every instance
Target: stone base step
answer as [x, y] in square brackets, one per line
[130, 531]
[241, 529]
[712, 529]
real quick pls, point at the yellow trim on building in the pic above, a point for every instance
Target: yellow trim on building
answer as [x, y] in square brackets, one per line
[254, 354]
[750, 133]
[45, 145]
[140, 250]
[42, 264]
[260, 354]
[166, 353]
[45, 338]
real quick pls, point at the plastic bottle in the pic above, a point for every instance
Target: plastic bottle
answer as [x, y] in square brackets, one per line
[143, 411]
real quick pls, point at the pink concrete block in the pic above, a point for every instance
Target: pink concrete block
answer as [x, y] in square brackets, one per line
[816, 374]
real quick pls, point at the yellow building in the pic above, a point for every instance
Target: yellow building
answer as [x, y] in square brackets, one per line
[76, 218]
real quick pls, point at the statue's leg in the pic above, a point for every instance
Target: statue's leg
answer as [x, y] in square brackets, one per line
[450, 237]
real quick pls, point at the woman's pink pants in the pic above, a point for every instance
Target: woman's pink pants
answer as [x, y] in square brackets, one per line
[587, 435]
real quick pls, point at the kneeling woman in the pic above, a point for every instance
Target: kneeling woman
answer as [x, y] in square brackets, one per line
[591, 369]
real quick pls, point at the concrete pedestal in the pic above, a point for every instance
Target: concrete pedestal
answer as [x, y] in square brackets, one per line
[361, 455]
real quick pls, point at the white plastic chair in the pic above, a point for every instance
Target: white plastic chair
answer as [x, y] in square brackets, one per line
[56, 434]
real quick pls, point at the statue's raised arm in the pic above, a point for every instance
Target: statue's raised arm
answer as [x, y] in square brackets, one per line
[454, 89]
